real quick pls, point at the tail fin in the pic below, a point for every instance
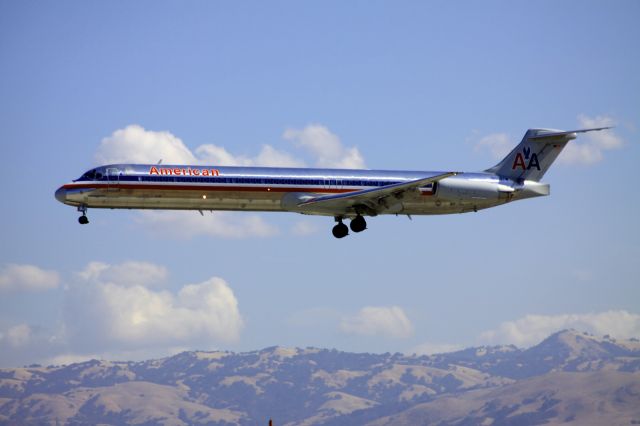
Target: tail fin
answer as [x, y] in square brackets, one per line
[538, 149]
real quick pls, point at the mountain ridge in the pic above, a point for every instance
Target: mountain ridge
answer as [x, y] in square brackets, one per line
[321, 386]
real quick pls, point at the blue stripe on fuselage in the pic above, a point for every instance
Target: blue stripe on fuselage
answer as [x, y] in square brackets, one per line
[298, 181]
[321, 178]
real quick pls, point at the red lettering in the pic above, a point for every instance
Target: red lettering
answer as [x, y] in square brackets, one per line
[518, 162]
[183, 172]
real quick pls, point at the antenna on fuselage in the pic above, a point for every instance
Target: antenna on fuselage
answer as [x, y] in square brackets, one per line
[159, 161]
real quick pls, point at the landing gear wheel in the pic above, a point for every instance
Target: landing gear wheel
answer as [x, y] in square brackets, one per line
[340, 230]
[358, 224]
[83, 220]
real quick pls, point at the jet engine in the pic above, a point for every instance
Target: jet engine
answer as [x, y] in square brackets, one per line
[459, 189]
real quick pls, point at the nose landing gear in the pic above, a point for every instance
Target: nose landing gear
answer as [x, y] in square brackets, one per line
[83, 220]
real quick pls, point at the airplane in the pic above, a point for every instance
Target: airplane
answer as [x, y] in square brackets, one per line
[341, 193]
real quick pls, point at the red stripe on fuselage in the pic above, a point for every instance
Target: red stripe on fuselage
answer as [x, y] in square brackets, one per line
[206, 188]
[217, 188]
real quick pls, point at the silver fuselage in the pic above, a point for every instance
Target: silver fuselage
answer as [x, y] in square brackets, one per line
[181, 187]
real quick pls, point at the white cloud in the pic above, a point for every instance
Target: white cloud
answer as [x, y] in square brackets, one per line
[268, 156]
[138, 314]
[531, 329]
[127, 273]
[134, 144]
[386, 321]
[589, 148]
[326, 147]
[188, 224]
[436, 348]
[497, 144]
[27, 278]
[114, 311]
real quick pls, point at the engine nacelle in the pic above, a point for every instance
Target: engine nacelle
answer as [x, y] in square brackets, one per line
[462, 189]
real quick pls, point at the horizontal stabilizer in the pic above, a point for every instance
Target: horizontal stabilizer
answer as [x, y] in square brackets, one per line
[568, 132]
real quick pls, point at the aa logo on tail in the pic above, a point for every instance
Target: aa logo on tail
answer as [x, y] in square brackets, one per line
[526, 160]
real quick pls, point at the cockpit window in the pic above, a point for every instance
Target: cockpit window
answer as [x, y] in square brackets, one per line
[93, 174]
[90, 175]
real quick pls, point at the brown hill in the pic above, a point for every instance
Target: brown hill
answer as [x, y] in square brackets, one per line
[569, 377]
[599, 398]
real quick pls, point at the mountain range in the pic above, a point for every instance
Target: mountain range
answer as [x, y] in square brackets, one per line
[570, 377]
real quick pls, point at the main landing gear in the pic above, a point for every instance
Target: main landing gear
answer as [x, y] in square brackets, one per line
[358, 224]
[83, 220]
[340, 230]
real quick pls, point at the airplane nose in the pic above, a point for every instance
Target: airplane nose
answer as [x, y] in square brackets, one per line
[61, 195]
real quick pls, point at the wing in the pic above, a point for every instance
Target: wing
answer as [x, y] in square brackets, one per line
[370, 201]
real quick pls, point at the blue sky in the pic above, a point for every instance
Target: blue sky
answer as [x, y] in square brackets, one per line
[405, 85]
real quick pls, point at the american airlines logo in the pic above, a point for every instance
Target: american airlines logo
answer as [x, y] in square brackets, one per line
[180, 171]
[526, 160]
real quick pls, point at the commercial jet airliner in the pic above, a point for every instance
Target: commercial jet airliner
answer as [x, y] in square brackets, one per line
[343, 194]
